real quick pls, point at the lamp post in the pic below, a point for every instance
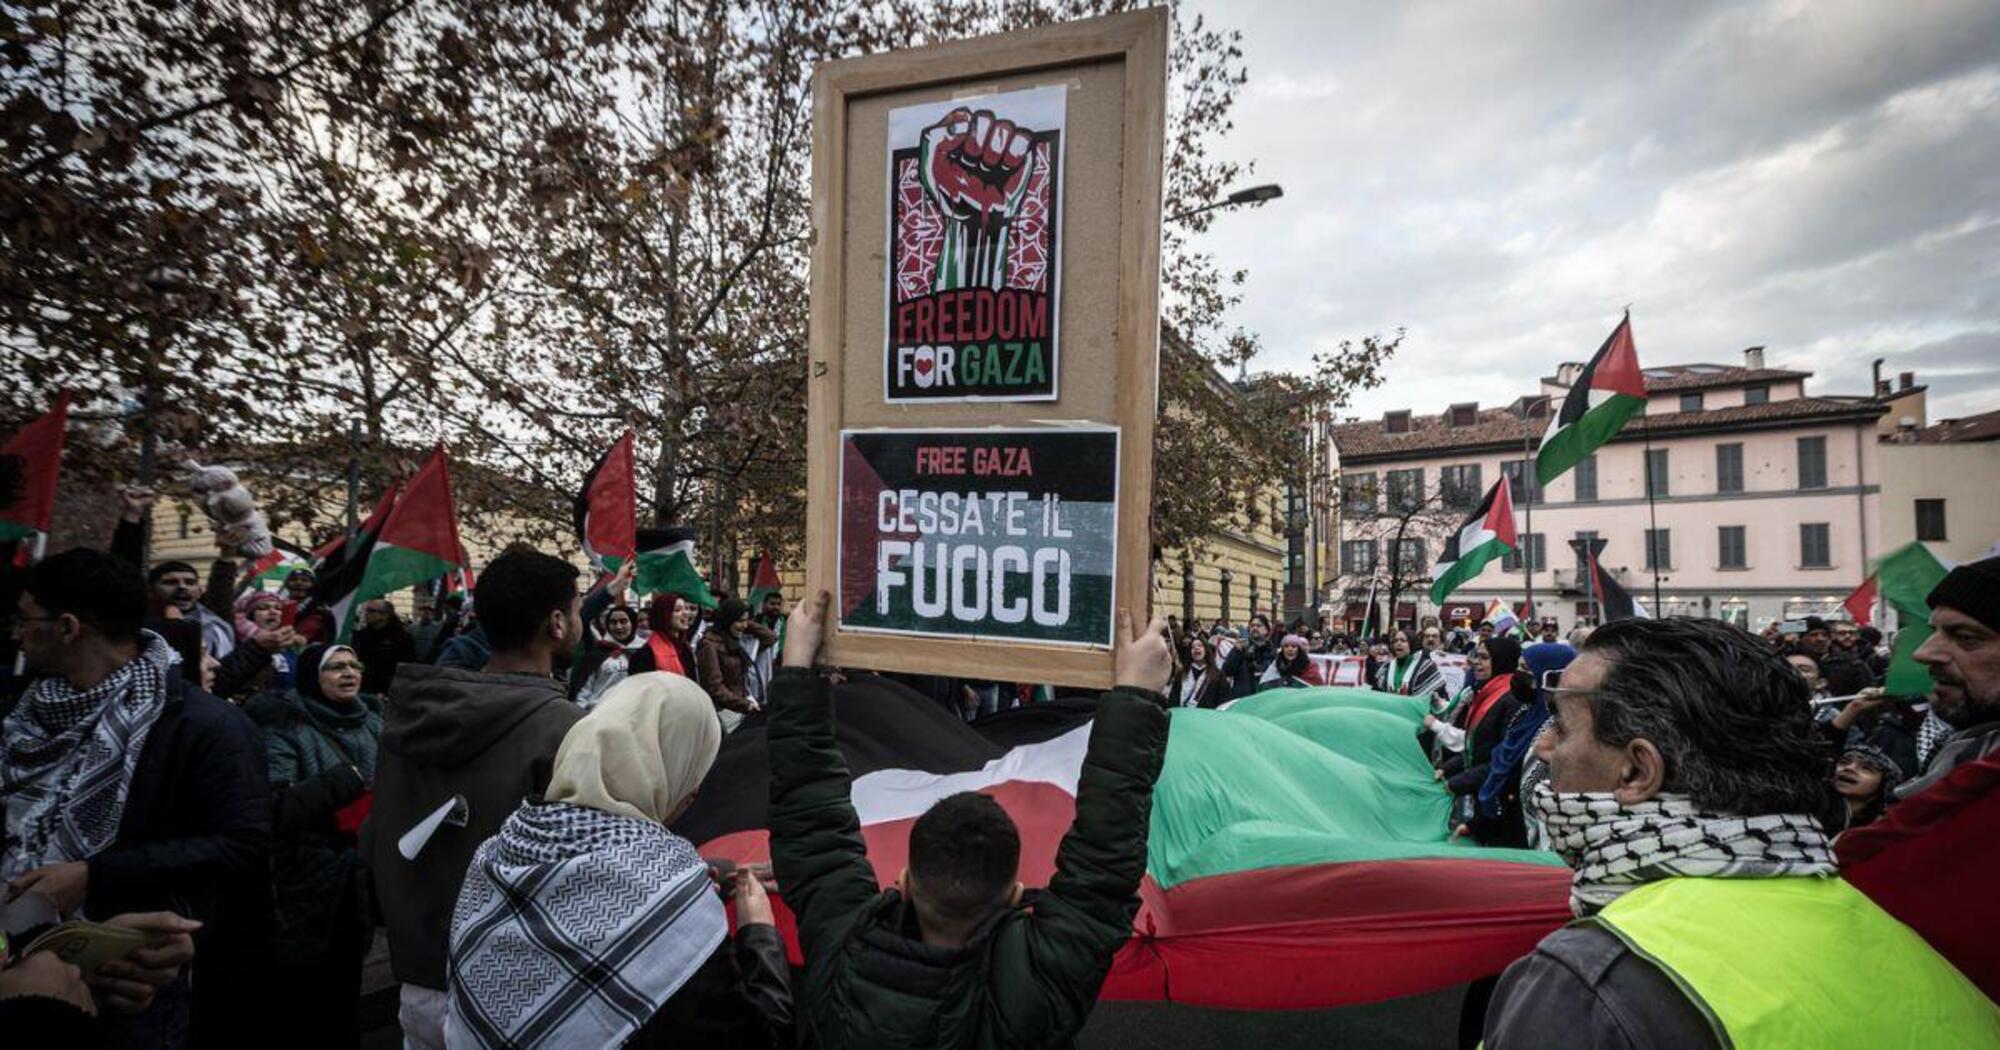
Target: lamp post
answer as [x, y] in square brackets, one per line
[1252, 195]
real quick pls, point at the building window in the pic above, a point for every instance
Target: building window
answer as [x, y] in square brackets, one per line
[1357, 493]
[1187, 593]
[185, 515]
[1815, 547]
[1585, 473]
[1406, 490]
[1226, 577]
[1930, 519]
[1691, 402]
[1537, 552]
[1736, 611]
[1730, 544]
[1409, 558]
[1729, 468]
[1659, 549]
[1253, 595]
[1656, 472]
[1397, 422]
[1357, 557]
[1520, 475]
[1459, 485]
[1757, 395]
[1581, 546]
[1812, 463]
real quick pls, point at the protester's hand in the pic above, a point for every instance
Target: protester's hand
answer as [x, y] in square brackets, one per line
[1865, 701]
[1460, 832]
[44, 975]
[128, 985]
[1431, 722]
[138, 499]
[622, 582]
[1437, 774]
[276, 639]
[753, 904]
[1144, 659]
[805, 631]
[63, 884]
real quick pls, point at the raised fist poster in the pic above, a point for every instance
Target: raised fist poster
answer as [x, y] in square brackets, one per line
[975, 244]
[997, 534]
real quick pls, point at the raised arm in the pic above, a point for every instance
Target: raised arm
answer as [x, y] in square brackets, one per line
[817, 852]
[1086, 914]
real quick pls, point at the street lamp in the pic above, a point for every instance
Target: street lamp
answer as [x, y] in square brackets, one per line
[1252, 195]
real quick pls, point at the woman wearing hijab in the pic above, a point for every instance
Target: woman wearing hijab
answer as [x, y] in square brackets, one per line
[320, 741]
[664, 647]
[589, 879]
[1503, 694]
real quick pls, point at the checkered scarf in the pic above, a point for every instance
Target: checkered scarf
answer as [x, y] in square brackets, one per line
[573, 928]
[1615, 848]
[69, 759]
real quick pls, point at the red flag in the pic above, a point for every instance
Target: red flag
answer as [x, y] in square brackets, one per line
[1860, 605]
[606, 509]
[30, 463]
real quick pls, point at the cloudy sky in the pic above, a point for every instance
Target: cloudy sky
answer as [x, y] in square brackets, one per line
[1501, 178]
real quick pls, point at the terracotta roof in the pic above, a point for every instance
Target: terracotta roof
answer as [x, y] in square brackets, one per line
[1499, 428]
[1982, 427]
[1666, 379]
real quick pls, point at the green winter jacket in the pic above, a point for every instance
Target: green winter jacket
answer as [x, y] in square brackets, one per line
[1030, 976]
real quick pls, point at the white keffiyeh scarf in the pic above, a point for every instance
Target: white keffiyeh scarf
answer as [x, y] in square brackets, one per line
[1614, 848]
[69, 759]
[573, 928]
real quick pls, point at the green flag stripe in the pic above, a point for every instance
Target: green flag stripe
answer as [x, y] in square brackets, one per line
[1468, 565]
[1565, 446]
[389, 567]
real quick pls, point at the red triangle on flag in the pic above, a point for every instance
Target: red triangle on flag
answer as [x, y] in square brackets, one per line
[1860, 605]
[1500, 517]
[1616, 368]
[34, 456]
[424, 519]
[767, 574]
[611, 497]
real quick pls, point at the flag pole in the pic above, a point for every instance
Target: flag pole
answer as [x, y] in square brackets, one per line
[1528, 504]
[1652, 518]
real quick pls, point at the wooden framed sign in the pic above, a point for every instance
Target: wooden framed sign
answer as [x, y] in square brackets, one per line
[985, 349]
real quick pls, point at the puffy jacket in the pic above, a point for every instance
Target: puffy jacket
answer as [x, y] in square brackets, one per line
[721, 662]
[1029, 976]
[447, 732]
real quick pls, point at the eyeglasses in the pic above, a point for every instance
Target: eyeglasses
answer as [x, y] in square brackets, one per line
[345, 665]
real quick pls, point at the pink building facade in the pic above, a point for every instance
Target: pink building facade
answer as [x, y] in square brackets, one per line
[1765, 499]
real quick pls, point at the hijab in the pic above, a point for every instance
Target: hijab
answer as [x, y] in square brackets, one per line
[1506, 656]
[641, 751]
[310, 662]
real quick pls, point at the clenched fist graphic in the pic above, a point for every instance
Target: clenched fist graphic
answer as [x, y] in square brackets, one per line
[975, 168]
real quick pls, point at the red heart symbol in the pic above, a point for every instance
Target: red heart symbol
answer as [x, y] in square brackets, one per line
[923, 366]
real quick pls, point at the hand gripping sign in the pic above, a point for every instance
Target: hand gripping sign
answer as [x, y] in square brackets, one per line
[974, 245]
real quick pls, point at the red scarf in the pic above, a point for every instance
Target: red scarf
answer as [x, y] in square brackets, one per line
[666, 655]
[1488, 695]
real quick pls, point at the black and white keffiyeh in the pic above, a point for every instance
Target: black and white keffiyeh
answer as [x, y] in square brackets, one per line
[573, 928]
[1614, 848]
[69, 759]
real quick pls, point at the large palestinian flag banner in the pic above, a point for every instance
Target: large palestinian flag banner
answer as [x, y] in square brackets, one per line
[1298, 854]
[1486, 534]
[1610, 390]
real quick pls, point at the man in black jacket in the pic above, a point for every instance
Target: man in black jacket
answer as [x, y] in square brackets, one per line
[126, 789]
[951, 958]
[460, 750]
[1248, 662]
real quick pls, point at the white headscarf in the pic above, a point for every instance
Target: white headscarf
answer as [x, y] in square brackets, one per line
[641, 751]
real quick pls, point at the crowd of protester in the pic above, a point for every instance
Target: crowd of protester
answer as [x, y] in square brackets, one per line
[492, 782]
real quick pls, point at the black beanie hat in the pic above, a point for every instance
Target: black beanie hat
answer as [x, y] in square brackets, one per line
[1973, 589]
[165, 567]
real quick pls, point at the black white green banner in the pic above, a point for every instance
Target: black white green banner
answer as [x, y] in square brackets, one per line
[1006, 533]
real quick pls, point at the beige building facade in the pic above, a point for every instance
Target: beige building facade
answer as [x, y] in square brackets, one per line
[1765, 498]
[1941, 486]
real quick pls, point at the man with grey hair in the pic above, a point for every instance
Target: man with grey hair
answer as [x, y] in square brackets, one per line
[1683, 785]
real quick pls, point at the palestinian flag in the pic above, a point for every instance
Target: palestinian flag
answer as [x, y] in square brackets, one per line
[764, 582]
[666, 565]
[1610, 391]
[418, 542]
[1486, 535]
[1298, 855]
[1905, 577]
[1613, 601]
[269, 572]
[606, 508]
[30, 463]
[1860, 605]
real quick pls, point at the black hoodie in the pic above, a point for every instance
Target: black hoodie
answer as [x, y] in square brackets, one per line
[448, 731]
